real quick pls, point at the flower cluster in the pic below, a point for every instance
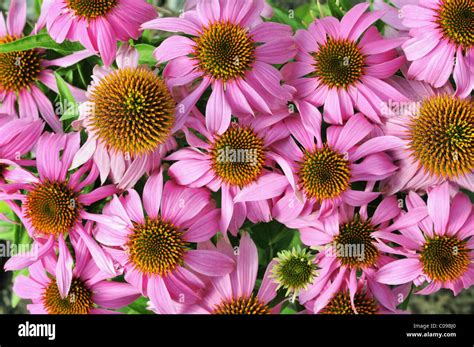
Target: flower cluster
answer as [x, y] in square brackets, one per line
[230, 161]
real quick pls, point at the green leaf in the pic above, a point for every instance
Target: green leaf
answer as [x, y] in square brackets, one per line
[145, 52]
[67, 100]
[335, 9]
[345, 5]
[139, 306]
[7, 229]
[285, 17]
[40, 41]
[37, 7]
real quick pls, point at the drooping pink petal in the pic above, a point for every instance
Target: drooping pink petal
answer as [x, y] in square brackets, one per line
[399, 271]
[218, 112]
[64, 268]
[114, 295]
[266, 187]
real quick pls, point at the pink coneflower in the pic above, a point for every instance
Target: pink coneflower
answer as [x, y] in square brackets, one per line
[97, 24]
[335, 69]
[130, 115]
[362, 296]
[89, 292]
[230, 49]
[233, 161]
[53, 205]
[350, 248]
[437, 128]
[21, 71]
[324, 171]
[442, 42]
[156, 250]
[440, 250]
[233, 294]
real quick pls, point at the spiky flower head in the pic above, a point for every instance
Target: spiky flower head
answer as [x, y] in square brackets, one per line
[294, 270]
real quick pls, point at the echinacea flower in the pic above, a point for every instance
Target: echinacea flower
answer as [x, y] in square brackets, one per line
[441, 43]
[335, 69]
[325, 171]
[235, 161]
[437, 130]
[156, 250]
[54, 205]
[439, 251]
[90, 290]
[22, 71]
[294, 270]
[234, 293]
[97, 24]
[349, 245]
[230, 49]
[129, 116]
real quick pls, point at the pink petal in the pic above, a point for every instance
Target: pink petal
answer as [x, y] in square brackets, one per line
[102, 259]
[159, 296]
[247, 266]
[173, 25]
[27, 288]
[173, 47]
[218, 112]
[266, 187]
[461, 208]
[352, 133]
[106, 42]
[133, 205]
[268, 288]
[152, 193]
[16, 17]
[227, 207]
[358, 198]
[204, 228]
[399, 271]
[64, 268]
[269, 31]
[209, 263]
[377, 144]
[114, 295]
[351, 18]
[438, 207]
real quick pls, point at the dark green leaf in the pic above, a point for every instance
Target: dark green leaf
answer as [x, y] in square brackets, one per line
[68, 103]
[145, 52]
[40, 41]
